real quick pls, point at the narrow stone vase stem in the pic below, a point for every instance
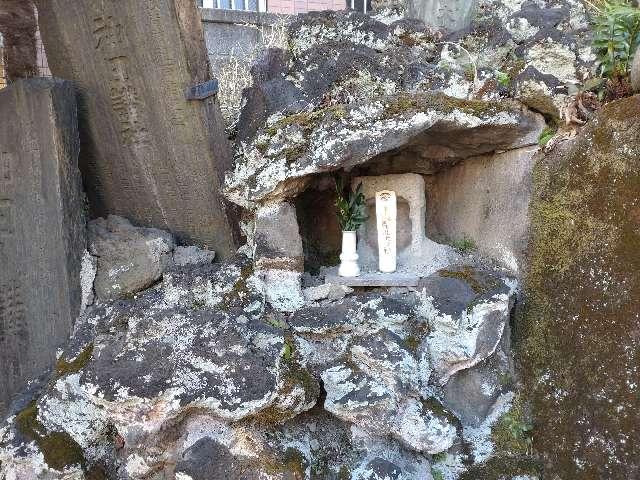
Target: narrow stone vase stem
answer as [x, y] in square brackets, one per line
[349, 257]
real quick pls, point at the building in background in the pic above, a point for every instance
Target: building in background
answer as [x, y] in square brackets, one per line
[291, 7]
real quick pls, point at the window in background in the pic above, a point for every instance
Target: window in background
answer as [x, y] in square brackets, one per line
[250, 5]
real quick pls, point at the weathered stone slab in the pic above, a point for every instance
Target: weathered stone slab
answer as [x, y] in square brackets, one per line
[374, 279]
[448, 14]
[42, 229]
[148, 153]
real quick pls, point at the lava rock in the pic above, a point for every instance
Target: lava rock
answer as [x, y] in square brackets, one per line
[130, 259]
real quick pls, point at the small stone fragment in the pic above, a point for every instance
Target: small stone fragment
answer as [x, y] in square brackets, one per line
[329, 291]
[192, 255]
[130, 259]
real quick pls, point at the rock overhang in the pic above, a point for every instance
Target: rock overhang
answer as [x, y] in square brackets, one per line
[436, 128]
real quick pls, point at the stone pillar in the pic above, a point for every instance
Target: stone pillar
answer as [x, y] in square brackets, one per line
[148, 153]
[449, 14]
[42, 228]
[278, 255]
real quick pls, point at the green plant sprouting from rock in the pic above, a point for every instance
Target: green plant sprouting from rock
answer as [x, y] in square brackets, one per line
[464, 244]
[547, 134]
[351, 207]
[616, 25]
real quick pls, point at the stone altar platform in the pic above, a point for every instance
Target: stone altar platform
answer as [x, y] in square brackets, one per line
[374, 279]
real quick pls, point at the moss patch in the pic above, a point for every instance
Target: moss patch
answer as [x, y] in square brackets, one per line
[65, 368]
[240, 288]
[295, 463]
[579, 342]
[469, 276]
[58, 448]
[501, 468]
[409, 103]
[512, 433]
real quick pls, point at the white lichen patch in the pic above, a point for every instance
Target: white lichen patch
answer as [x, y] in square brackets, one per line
[520, 29]
[87, 276]
[552, 58]
[460, 342]
[479, 437]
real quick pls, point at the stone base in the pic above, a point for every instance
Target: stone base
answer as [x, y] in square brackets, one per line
[374, 279]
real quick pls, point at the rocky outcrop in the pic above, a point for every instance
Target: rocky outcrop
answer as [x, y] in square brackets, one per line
[129, 259]
[357, 95]
[197, 377]
[281, 161]
[527, 50]
[581, 322]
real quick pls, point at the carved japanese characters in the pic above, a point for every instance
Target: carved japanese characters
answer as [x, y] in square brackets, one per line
[148, 153]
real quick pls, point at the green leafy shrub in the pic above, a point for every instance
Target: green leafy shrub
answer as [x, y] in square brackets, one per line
[616, 25]
[351, 207]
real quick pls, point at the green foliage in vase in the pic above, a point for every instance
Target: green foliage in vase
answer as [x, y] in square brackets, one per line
[616, 25]
[351, 206]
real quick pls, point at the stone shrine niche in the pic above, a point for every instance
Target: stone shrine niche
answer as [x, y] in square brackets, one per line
[416, 254]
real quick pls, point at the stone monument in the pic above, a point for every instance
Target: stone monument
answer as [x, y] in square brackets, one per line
[42, 228]
[386, 211]
[148, 153]
[449, 14]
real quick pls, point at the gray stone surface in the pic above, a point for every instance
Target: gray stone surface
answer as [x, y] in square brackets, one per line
[374, 279]
[451, 15]
[486, 200]
[328, 291]
[148, 154]
[130, 259]
[635, 73]
[199, 376]
[192, 255]
[471, 394]
[277, 239]
[416, 254]
[434, 128]
[42, 228]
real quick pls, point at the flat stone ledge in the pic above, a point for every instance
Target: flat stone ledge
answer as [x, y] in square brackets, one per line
[374, 279]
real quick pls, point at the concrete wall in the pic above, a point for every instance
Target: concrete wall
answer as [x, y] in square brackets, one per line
[235, 33]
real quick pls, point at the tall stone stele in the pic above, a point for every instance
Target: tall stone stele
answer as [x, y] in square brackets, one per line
[42, 228]
[148, 153]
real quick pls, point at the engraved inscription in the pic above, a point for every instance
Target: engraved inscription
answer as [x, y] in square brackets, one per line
[6, 217]
[109, 41]
[5, 167]
[13, 324]
[164, 58]
[107, 33]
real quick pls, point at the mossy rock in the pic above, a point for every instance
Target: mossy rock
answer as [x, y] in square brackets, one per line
[503, 468]
[578, 335]
[64, 367]
[58, 448]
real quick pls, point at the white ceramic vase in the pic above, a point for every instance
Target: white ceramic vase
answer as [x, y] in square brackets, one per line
[349, 256]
